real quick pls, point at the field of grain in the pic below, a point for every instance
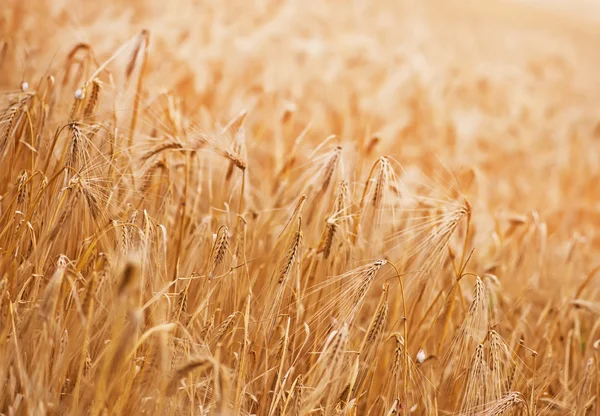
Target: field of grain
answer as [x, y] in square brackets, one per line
[280, 207]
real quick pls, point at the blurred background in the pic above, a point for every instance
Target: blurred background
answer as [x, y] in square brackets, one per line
[510, 88]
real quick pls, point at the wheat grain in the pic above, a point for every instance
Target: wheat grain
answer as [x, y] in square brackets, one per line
[92, 103]
[507, 403]
[290, 257]
[219, 250]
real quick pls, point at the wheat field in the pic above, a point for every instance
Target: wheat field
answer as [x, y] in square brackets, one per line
[275, 207]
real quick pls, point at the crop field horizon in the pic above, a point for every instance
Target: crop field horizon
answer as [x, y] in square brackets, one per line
[275, 207]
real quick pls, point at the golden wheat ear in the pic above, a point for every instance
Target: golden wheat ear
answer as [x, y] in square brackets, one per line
[510, 402]
[51, 293]
[326, 374]
[281, 276]
[219, 251]
[474, 391]
[372, 343]
[373, 196]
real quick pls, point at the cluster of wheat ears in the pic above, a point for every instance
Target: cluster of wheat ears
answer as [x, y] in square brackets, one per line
[157, 257]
